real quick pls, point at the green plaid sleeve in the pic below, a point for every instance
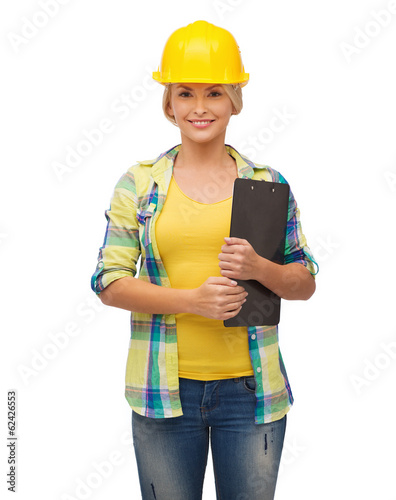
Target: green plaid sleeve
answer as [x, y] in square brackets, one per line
[120, 251]
[296, 247]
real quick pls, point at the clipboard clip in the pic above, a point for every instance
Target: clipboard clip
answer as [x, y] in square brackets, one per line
[272, 189]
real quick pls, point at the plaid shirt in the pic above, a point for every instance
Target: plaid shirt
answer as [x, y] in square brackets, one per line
[151, 381]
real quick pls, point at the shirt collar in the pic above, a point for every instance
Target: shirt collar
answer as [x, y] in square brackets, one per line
[164, 163]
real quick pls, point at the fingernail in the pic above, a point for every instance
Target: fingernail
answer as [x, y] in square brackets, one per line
[233, 282]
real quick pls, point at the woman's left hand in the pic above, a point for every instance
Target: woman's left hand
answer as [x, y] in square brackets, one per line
[238, 260]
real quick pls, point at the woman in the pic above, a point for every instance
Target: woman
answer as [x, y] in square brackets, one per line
[189, 379]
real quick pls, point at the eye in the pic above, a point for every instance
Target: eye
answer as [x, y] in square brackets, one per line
[215, 92]
[183, 94]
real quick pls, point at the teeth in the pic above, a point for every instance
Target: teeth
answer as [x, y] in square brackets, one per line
[200, 123]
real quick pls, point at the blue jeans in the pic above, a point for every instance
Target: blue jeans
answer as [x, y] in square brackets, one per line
[171, 453]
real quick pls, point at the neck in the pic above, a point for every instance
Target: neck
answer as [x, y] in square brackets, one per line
[203, 156]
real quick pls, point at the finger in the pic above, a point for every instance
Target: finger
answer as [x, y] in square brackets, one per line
[231, 314]
[235, 241]
[233, 290]
[229, 249]
[222, 280]
[237, 293]
[225, 264]
[228, 273]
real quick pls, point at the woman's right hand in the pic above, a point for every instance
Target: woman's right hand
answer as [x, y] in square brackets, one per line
[218, 298]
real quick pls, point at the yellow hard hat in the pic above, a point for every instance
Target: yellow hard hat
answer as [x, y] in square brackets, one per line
[201, 52]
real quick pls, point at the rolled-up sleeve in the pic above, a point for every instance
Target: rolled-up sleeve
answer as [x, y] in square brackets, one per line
[119, 254]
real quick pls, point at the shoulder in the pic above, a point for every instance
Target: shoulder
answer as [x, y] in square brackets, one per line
[267, 173]
[142, 168]
[138, 177]
[253, 169]
[143, 172]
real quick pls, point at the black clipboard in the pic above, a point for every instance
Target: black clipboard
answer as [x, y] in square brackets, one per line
[259, 215]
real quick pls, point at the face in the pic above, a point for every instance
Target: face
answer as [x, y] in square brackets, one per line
[201, 110]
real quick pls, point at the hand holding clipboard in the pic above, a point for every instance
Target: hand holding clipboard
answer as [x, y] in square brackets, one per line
[259, 215]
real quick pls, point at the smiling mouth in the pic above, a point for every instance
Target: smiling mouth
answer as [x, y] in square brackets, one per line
[200, 122]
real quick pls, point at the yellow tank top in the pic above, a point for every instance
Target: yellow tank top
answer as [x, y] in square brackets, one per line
[189, 236]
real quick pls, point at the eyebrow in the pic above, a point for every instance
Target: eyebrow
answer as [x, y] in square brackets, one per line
[189, 88]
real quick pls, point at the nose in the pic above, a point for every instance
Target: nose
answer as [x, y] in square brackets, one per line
[200, 106]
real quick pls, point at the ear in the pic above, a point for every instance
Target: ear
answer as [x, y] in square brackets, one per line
[170, 110]
[168, 106]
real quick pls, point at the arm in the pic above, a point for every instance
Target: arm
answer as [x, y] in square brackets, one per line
[294, 280]
[238, 260]
[114, 278]
[290, 281]
[217, 298]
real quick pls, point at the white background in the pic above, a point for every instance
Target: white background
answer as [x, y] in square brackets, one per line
[338, 153]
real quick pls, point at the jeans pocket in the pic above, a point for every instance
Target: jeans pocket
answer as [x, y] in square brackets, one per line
[249, 383]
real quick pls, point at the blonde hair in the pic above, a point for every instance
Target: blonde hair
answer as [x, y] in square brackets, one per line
[233, 91]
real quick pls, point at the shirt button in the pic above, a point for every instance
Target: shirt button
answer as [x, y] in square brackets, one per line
[253, 336]
[258, 370]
